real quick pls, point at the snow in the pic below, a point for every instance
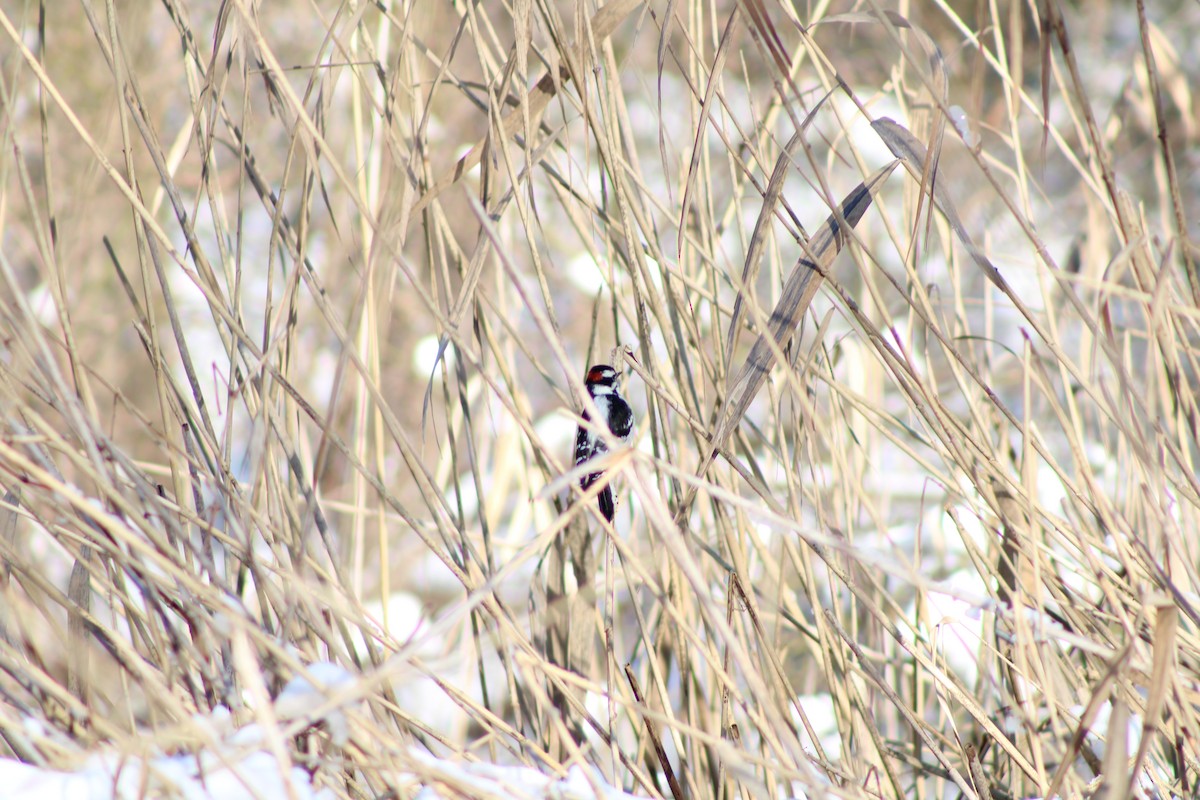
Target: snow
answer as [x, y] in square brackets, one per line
[256, 775]
[209, 775]
[236, 764]
[963, 125]
[489, 780]
[300, 697]
[425, 357]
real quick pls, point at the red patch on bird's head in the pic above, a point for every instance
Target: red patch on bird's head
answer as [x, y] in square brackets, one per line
[599, 373]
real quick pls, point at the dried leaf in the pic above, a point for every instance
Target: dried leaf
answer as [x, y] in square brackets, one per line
[937, 83]
[1116, 753]
[758, 239]
[798, 291]
[714, 79]
[911, 152]
[1162, 672]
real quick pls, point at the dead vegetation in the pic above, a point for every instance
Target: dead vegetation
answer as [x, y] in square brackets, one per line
[297, 298]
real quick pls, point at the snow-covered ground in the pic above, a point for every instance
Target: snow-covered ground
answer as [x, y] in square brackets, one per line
[258, 775]
[239, 763]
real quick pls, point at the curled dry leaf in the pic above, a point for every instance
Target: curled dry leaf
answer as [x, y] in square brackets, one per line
[911, 152]
[758, 239]
[798, 292]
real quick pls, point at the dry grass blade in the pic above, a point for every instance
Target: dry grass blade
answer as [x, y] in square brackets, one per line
[1164, 139]
[932, 74]
[978, 773]
[529, 115]
[1099, 696]
[758, 237]
[715, 75]
[914, 156]
[1115, 779]
[1163, 669]
[659, 752]
[769, 35]
[798, 291]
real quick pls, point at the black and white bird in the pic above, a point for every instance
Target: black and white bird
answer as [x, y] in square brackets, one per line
[601, 383]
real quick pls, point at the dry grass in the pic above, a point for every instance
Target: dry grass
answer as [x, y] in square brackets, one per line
[961, 522]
